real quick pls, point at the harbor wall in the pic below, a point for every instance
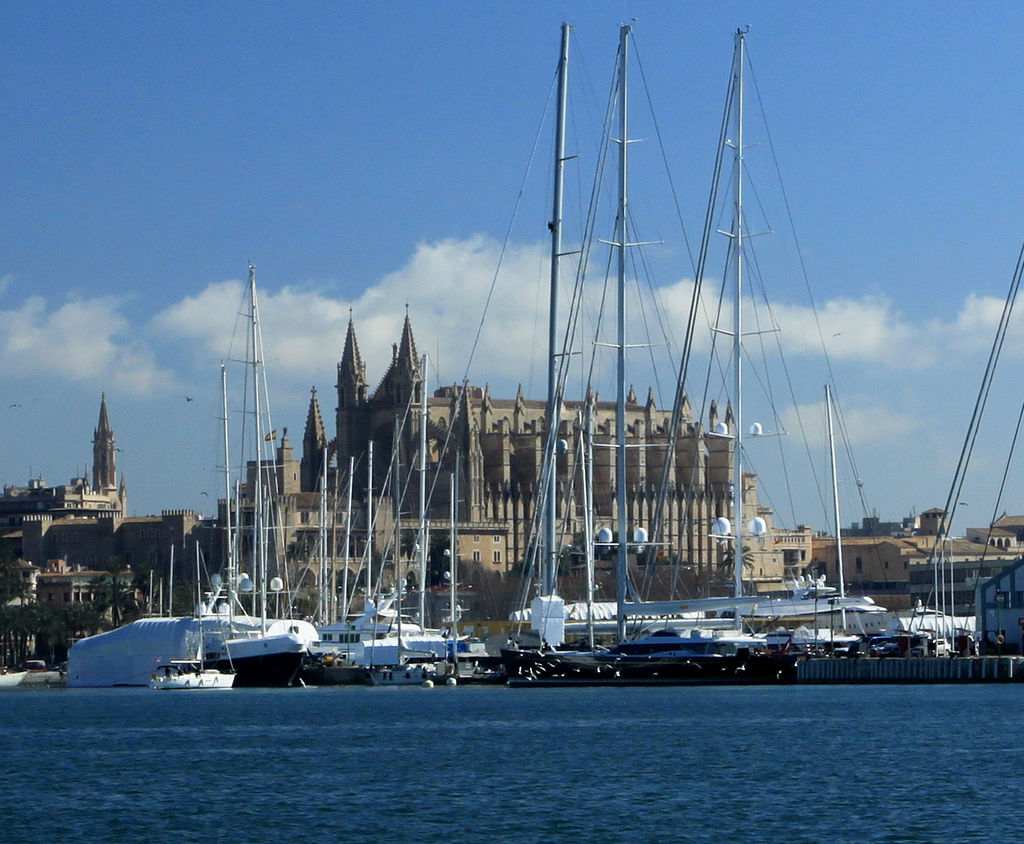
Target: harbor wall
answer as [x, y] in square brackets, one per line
[985, 669]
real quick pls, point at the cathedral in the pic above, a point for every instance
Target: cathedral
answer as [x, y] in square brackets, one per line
[494, 447]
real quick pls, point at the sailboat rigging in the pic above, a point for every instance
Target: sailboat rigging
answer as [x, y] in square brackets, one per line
[666, 657]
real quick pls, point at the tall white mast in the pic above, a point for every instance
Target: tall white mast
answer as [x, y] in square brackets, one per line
[348, 540]
[737, 350]
[550, 559]
[453, 555]
[259, 537]
[324, 609]
[199, 611]
[229, 539]
[422, 543]
[622, 565]
[835, 500]
[370, 586]
[588, 512]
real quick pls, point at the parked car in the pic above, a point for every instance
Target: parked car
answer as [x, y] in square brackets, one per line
[33, 665]
[883, 646]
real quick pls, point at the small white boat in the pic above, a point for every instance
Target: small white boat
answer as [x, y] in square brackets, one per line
[9, 681]
[410, 674]
[190, 676]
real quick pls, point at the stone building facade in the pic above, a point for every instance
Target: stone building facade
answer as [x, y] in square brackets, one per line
[104, 496]
[82, 526]
[494, 447]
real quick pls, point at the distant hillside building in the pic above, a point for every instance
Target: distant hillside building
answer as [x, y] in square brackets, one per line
[900, 571]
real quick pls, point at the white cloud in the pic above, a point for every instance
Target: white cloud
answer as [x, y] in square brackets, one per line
[444, 284]
[866, 422]
[83, 339]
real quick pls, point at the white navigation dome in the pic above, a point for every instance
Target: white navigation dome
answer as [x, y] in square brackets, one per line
[215, 580]
[640, 535]
[758, 526]
[245, 583]
[722, 527]
[756, 430]
[722, 428]
[276, 584]
[604, 536]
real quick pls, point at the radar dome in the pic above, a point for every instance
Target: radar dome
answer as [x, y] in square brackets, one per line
[722, 527]
[276, 584]
[640, 535]
[604, 536]
[756, 430]
[758, 526]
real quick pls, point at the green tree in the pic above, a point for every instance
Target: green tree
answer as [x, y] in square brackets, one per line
[726, 567]
[13, 586]
[115, 593]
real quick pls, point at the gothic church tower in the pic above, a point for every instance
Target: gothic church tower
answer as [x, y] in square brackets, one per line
[104, 466]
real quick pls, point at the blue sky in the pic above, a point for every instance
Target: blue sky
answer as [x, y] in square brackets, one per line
[366, 156]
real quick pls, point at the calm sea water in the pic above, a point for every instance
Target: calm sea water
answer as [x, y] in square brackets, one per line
[789, 764]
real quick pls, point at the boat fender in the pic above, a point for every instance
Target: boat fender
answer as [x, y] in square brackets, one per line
[1000, 638]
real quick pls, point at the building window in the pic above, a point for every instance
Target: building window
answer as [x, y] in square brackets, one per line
[497, 539]
[476, 538]
[860, 564]
[497, 556]
[476, 556]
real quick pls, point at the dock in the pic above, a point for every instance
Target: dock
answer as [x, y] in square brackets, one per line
[982, 669]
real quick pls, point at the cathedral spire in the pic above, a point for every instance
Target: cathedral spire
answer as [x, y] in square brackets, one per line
[408, 361]
[351, 371]
[104, 467]
[314, 446]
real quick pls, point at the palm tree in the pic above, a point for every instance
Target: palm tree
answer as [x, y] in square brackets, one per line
[726, 566]
[115, 591]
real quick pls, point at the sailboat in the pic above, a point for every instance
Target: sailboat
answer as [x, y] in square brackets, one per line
[187, 674]
[664, 656]
[384, 645]
[258, 650]
[702, 626]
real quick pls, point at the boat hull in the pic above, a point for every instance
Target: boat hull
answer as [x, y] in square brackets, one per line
[575, 668]
[12, 680]
[128, 655]
[273, 661]
[171, 680]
